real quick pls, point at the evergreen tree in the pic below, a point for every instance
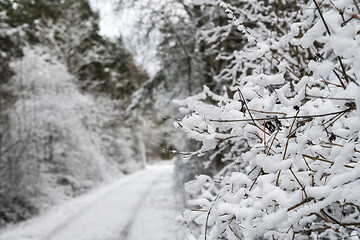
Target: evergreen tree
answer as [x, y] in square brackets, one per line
[71, 29]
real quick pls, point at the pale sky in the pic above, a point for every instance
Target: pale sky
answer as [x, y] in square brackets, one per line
[110, 22]
[122, 23]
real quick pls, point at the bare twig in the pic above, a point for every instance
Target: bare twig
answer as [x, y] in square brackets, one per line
[337, 118]
[247, 108]
[328, 31]
[289, 69]
[331, 98]
[208, 215]
[278, 118]
[289, 135]
[357, 6]
[253, 110]
[286, 146]
[272, 141]
[254, 181]
[299, 204]
[234, 232]
[302, 186]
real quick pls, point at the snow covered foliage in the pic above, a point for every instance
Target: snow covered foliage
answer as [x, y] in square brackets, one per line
[70, 29]
[288, 123]
[62, 124]
[60, 141]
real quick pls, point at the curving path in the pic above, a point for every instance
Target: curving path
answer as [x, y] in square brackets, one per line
[139, 206]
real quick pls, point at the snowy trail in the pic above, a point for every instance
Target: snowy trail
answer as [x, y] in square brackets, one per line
[139, 206]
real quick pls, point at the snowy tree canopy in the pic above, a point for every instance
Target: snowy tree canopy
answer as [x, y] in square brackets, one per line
[63, 89]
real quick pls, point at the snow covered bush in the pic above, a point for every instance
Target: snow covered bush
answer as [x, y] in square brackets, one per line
[288, 122]
[63, 92]
[57, 142]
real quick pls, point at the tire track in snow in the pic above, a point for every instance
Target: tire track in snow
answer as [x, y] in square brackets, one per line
[124, 234]
[53, 233]
[136, 207]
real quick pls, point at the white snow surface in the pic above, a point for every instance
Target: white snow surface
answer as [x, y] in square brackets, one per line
[139, 206]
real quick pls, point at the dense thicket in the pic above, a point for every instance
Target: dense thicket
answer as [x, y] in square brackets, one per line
[287, 124]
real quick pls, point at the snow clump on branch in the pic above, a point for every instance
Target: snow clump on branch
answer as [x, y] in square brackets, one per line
[294, 100]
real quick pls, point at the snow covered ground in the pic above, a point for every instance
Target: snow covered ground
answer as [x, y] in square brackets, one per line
[139, 206]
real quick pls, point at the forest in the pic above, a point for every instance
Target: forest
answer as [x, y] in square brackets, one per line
[208, 119]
